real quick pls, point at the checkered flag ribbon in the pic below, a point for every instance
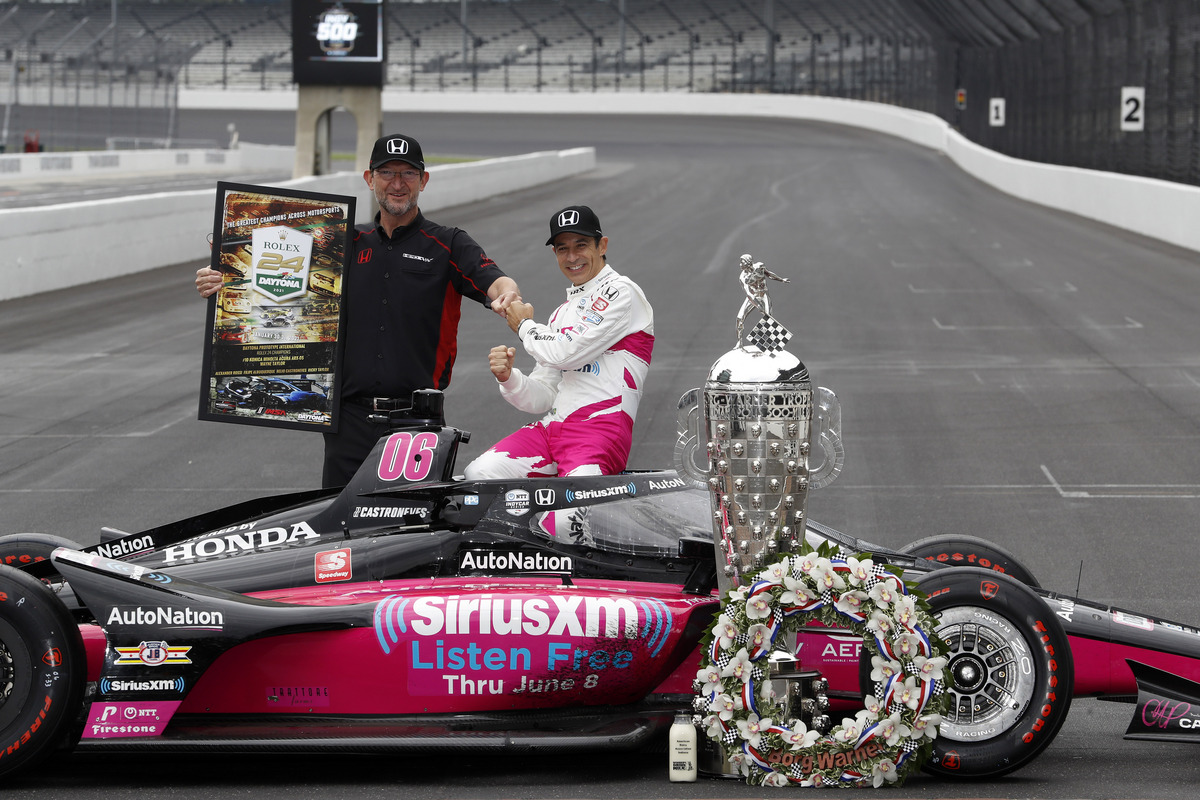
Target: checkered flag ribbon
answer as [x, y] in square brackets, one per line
[769, 336]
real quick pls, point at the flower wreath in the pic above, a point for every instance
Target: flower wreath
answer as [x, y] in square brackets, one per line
[894, 732]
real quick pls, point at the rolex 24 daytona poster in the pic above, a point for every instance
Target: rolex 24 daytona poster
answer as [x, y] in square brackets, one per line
[272, 348]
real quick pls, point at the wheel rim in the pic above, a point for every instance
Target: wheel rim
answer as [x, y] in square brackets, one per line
[15, 673]
[992, 674]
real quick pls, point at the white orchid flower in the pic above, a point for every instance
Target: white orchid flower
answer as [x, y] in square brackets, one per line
[871, 703]
[851, 602]
[910, 693]
[849, 731]
[775, 572]
[752, 728]
[724, 705]
[806, 563]
[860, 570]
[883, 669]
[884, 771]
[904, 611]
[800, 736]
[775, 780]
[884, 593]
[710, 676]
[879, 623]
[797, 592]
[824, 576]
[759, 606]
[926, 726]
[758, 635]
[738, 667]
[726, 632]
[907, 645]
[893, 729]
[929, 668]
[713, 727]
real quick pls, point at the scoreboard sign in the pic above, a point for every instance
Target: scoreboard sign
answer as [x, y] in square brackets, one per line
[338, 42]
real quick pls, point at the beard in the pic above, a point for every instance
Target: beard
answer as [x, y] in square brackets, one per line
[396, 209]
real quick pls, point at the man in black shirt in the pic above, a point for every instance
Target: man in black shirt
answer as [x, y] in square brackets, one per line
[403, 294]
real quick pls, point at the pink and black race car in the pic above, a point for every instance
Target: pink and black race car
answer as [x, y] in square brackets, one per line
[409, 610]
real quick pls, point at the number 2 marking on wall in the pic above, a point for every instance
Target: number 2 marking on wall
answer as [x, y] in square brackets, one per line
[407, 456]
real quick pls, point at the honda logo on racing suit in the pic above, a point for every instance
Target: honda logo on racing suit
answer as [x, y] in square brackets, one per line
[568, 217]
[397, 147]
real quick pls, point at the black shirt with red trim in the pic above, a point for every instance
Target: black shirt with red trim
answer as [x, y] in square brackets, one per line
[403, 301]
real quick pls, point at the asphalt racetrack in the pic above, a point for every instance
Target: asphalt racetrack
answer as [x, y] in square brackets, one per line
[1005, 371]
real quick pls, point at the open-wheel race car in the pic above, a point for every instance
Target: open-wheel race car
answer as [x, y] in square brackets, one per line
[411, 610]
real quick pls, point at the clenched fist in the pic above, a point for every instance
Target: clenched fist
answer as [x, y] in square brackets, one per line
[500, 360]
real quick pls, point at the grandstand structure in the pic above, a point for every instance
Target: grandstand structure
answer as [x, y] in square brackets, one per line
[1060, 65]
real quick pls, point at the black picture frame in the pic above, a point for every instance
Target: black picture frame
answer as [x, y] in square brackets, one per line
[274, 338]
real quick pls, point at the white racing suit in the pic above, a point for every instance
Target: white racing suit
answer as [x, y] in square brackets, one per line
[592, 358]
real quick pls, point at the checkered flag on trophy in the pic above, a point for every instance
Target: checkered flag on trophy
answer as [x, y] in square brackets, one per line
[769, 336]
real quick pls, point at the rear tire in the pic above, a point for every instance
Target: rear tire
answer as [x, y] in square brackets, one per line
[970, 551]
[43, 668]
[1012, 671]
[30, 552]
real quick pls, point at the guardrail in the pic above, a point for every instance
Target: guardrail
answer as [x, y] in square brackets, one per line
[53, 247]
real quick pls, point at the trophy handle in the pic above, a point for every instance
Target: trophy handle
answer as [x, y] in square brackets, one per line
[827, 429]
[691, 461]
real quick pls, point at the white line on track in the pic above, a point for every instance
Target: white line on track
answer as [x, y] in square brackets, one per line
[1129, 324]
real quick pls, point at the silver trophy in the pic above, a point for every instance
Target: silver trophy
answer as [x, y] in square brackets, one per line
[757, 416]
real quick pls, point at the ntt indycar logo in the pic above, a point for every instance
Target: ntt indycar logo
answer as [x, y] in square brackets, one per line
[513, 562]
[575, 495]
[166, 616]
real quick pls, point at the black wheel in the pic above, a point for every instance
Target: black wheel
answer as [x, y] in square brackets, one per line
[1011, 669]
[971, 551]
[31, 551]
[43, 669]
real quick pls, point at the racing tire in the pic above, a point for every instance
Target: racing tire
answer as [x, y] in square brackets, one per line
[43, 669]
[1011, 667]
[970, 551]
[31, 551]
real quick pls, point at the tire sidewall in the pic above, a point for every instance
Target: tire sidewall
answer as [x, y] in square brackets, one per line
[44, 656]
[999, 595]
[22, 550]
[958, 550]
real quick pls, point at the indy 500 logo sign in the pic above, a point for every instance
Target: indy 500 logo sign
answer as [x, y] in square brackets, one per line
[336, 31]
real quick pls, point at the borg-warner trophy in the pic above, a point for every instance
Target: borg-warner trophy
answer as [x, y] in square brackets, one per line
[757, 417]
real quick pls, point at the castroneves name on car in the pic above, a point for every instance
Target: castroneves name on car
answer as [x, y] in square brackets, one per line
[238, 542]
[389, 511]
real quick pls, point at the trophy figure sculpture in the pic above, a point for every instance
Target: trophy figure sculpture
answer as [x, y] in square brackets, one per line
[757, 416]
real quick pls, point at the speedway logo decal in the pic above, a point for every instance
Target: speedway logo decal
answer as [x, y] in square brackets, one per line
[241, 541]
[508, 644]
[333, 565]
[153, 654]
[113, 720]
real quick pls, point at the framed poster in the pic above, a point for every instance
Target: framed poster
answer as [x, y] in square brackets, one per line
[273, 343]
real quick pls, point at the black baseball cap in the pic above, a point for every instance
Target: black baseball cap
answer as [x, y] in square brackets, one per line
[397, 148]
[575, 219]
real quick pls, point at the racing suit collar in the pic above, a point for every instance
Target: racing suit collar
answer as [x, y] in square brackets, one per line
[402, 231]
[602, 277]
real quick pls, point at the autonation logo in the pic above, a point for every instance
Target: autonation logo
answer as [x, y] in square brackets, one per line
[573, 495]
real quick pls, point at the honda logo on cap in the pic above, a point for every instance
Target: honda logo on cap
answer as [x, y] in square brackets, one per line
[568, 217]
[397, 147]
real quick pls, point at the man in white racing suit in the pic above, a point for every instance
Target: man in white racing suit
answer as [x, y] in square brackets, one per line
[592, 359]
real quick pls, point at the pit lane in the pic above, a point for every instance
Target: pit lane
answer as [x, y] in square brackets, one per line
[1005, 371]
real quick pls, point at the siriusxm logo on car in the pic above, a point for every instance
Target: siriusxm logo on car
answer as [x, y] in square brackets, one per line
[164, 615]
[575, 495]
[109, 686]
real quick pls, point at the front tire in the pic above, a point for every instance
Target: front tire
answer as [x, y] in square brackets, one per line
[959, 550]
[43, 668]
[1011, 667]
[30, 552]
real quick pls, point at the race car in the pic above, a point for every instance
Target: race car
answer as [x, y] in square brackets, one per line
[412, 610]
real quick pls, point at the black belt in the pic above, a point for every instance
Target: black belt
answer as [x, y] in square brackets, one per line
[378, 403]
